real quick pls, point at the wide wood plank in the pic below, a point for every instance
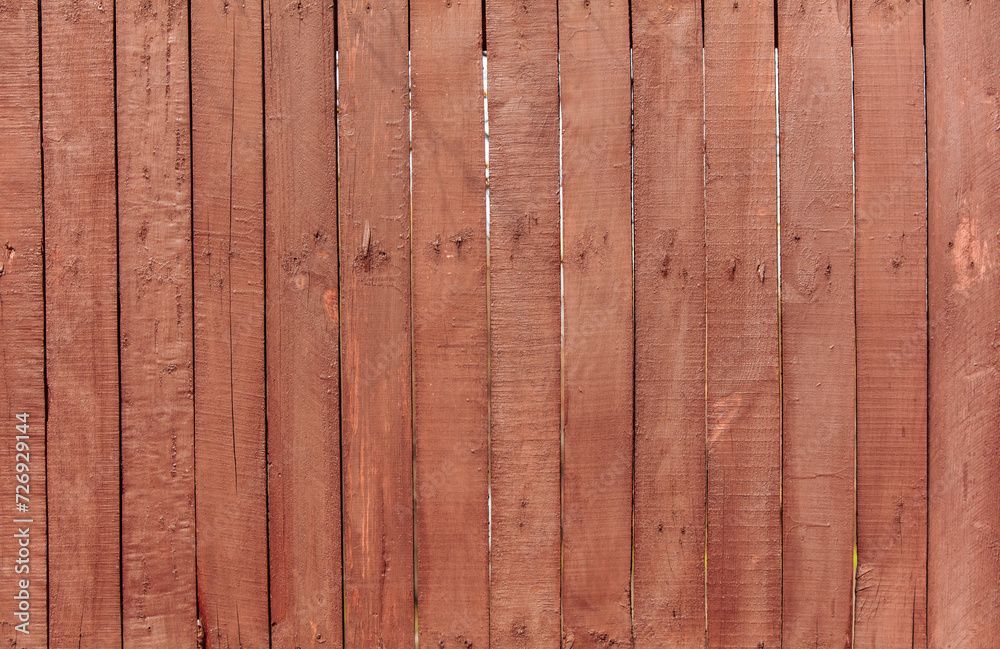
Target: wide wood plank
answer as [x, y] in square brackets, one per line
[81, 237]
[817, 322]
[374, 195]
[450, 325]
[228, 224]
[891, 285]
[669, 527]
[303, 326]
[523, 104]
[22, 332]
[744, 434]
[595, 91]
[963, 135]
[157, 380]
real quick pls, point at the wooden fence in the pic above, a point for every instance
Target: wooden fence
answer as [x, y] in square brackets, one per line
[271, 378]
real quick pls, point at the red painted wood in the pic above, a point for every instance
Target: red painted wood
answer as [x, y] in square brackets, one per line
[81, 247]
[963, 136]
[374, 200]
[155, 320]
[598, 345]
[817, 323]
[450, 325]
[303, 327]
[523, 96]
[744, 407]
[669, 528]
[228, 194]
[22, 321]
[891, 195]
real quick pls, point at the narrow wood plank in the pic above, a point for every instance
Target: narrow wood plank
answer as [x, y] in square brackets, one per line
[523, 105]
[891, 195]
[228, 225]
[450, 325]
[744, 435]
[22, 323]
[595, 91]
[303, 326]
[963, 129]
[669, 527]
[155, 324]
[81, 243]
[817, 322]
[374, 200]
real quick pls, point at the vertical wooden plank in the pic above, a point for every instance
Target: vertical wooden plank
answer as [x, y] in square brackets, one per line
[744, 436]
[963, 128]
[155, 324]
[303, 326]
[450, 325]
[817, 322]
[81, 242]
[22, 323]
[669, 527]
[228, 181]
[523, 104]
[595, 91]
[891, 285]
[374, 201]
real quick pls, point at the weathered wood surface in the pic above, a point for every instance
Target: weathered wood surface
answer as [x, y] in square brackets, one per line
[22, 326]
[228, 229]
[525, 345]
[744, 403]
[374, 227]
[81, 244]
[817, 323]
[284, 390]
[598, 324]
[159, 599]
[963, 142]
[303, 327]
[450, 325]
[891, 293]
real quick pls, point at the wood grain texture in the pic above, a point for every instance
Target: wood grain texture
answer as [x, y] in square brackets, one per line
[523, 105]
[744, 435]
[155, 321]
[228, 226]
[963, 129]
[374, 200]
[817, 322]
[303, 326]
[81, 246]
[22, 322]
[450, 325]
[891, 285]
[669, 527]
[595, 91]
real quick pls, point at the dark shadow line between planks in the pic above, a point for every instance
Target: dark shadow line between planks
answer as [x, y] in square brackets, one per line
[340, 309]
[927, 339]
[704, 241]
[45, 345]
[267, 473]
[631, 186]
[781, 357]
[854, 243]
[562, 330]
[201, 637]
[118, 323]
